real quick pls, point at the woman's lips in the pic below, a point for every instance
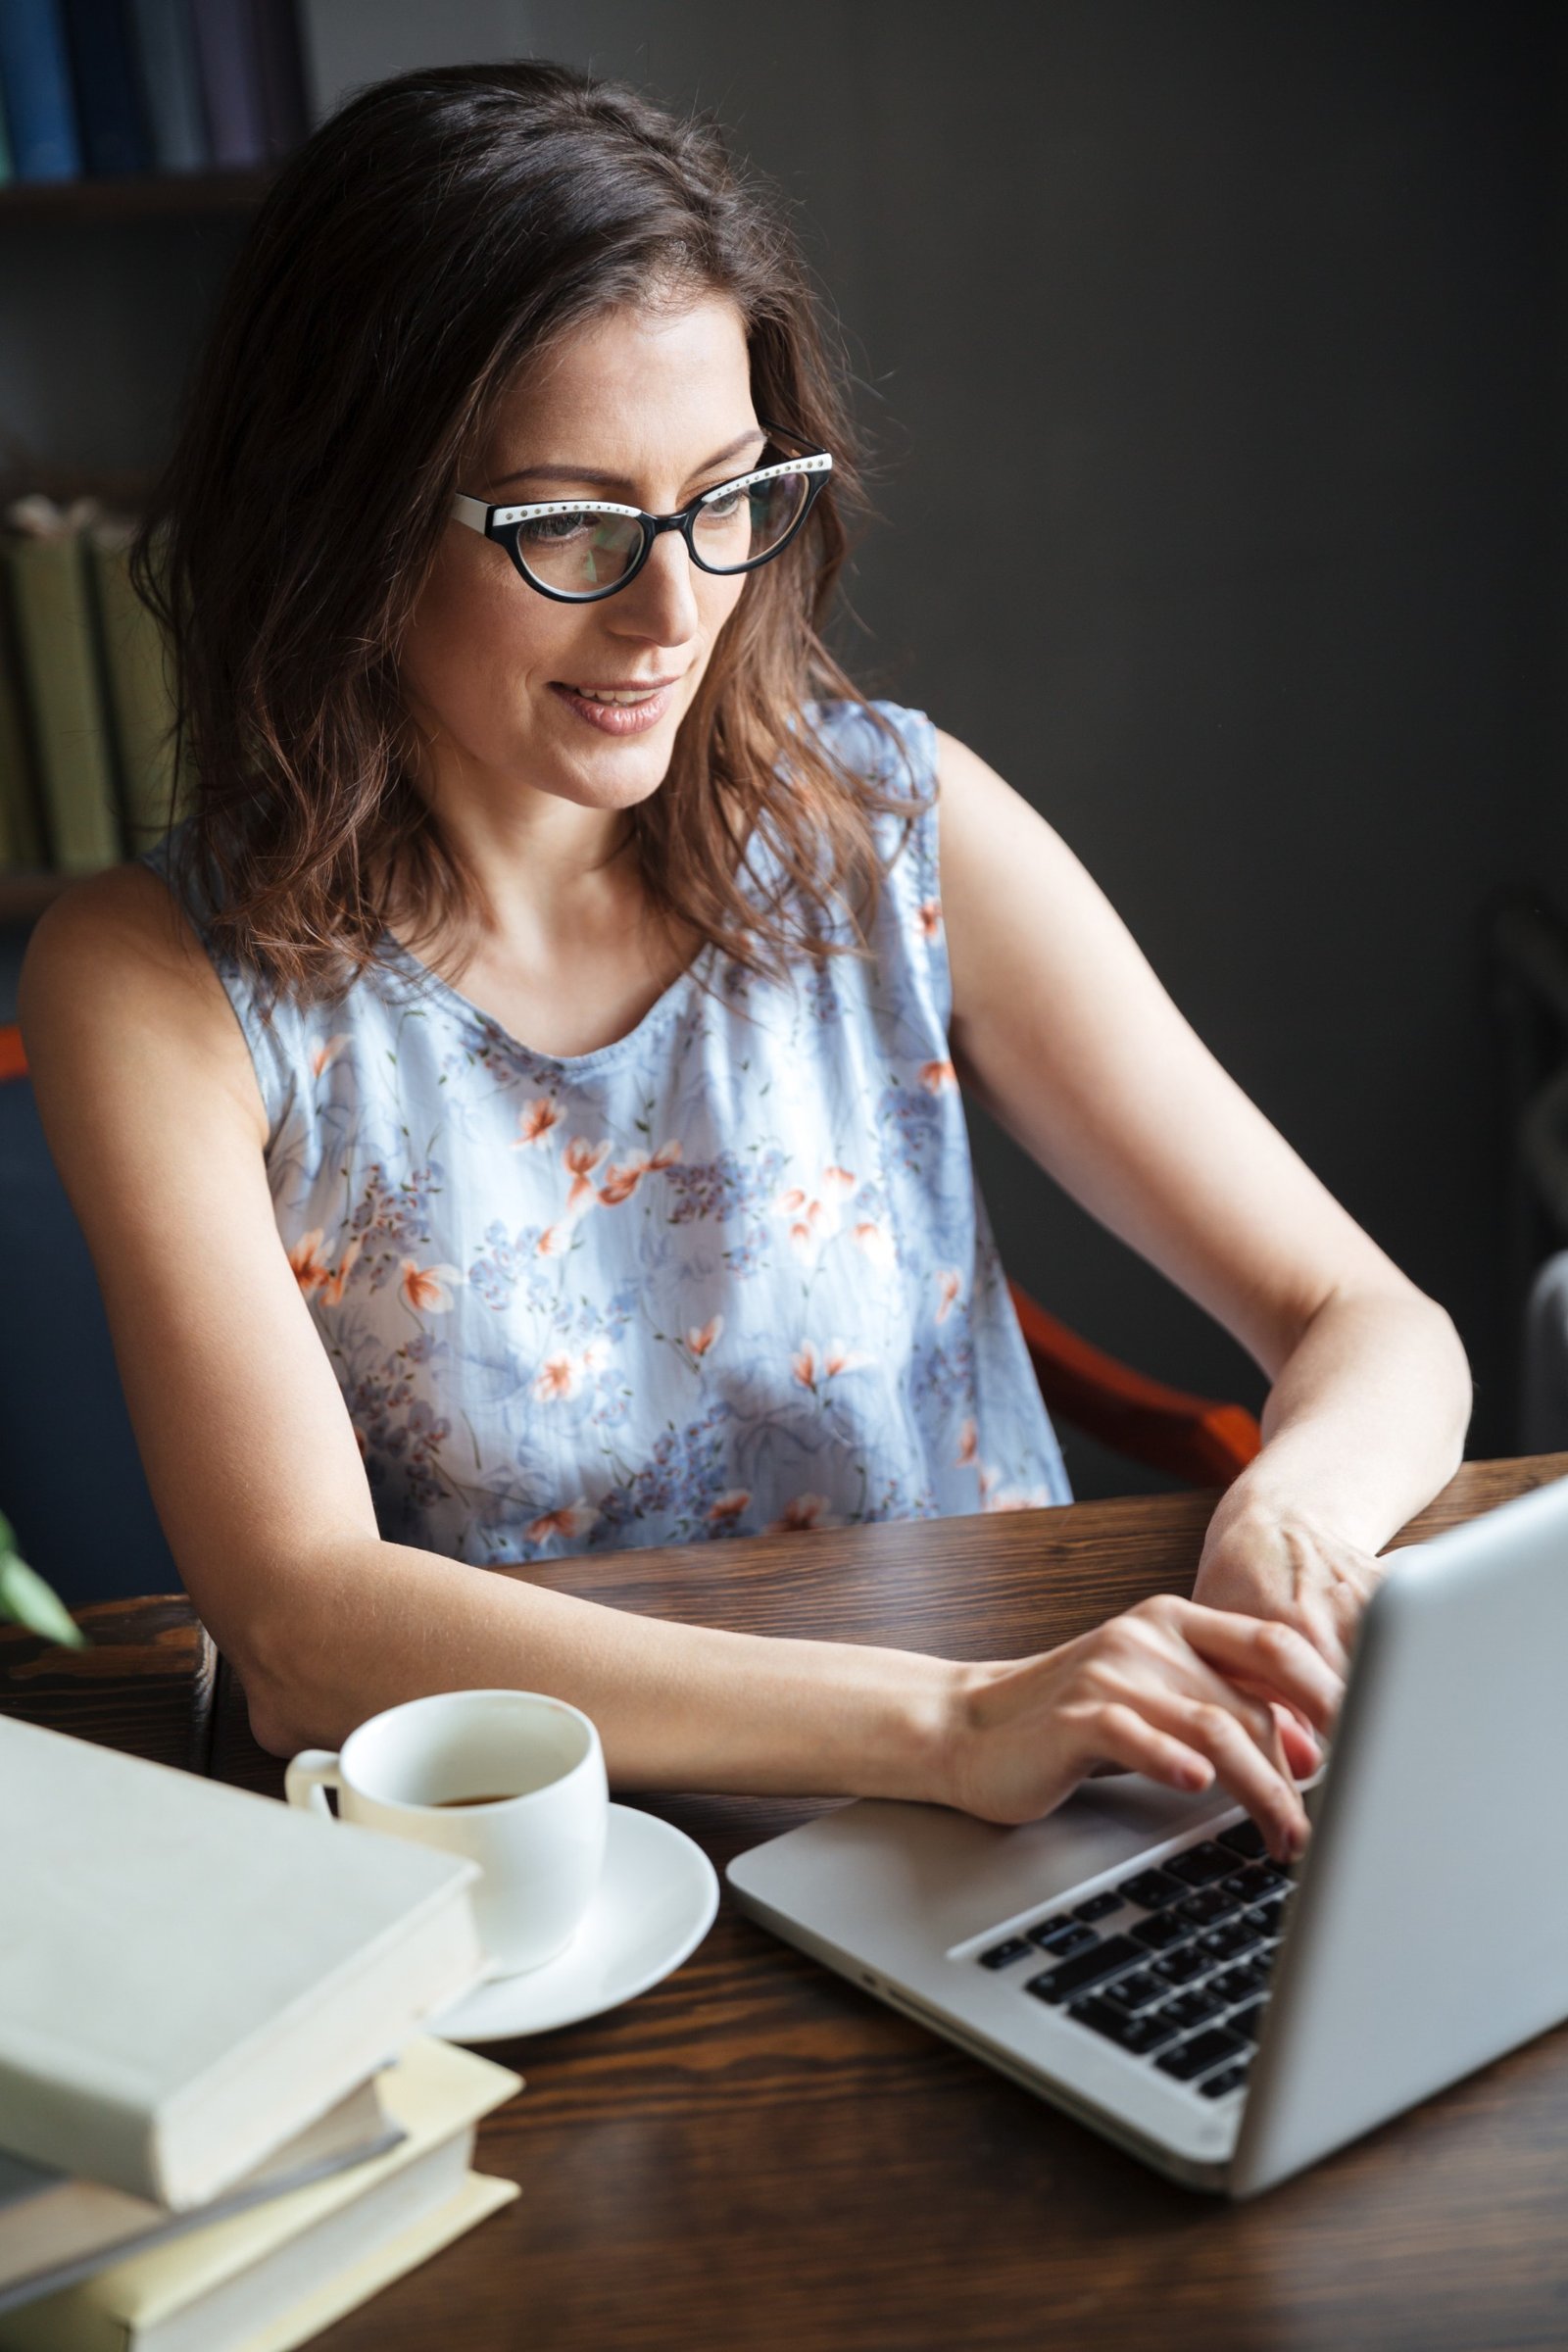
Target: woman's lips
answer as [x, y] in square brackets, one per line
[618, 718]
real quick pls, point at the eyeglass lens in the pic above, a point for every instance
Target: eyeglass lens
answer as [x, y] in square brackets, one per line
[578, 552]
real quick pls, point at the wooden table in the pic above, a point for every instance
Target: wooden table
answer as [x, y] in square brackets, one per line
[754, 2154]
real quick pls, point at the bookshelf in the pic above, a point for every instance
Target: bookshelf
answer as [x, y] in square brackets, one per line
[149, 195]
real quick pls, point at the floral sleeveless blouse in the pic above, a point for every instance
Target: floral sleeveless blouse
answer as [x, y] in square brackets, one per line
[728, 1275]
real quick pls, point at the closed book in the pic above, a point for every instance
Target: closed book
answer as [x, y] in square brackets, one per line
[21, 841]
[108, 85]
[57, 633]
[170, 85]
[40, 116]
[55, 2230]
[242, 2284]
[190, 1974]
[230, 78]
[141, 701]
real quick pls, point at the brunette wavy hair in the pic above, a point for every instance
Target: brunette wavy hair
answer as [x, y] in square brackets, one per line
[434, 237]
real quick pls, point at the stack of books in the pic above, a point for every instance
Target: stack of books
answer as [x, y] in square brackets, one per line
[86, 698]
[102, 88]
[220, 2128]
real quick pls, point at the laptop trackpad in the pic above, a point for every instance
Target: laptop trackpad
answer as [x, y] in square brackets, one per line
[955, 1878]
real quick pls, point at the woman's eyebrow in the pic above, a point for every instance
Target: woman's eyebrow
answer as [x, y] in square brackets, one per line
[617, 482]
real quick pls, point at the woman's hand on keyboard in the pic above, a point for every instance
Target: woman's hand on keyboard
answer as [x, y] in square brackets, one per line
[1186, 1693]
[1271, 1562]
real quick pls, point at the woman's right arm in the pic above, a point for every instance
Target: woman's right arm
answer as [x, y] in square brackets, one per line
[148, 1098]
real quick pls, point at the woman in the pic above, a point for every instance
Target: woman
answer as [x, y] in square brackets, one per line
[519, 1112]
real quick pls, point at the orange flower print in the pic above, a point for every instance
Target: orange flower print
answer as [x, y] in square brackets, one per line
[310, 1269]
[928, 918]
[322, 1059]
[949, 1287]
[793, 1201]
[621, 1182]
[333, 1288]
[728, 1508]
[571, 1522]
[1017, 1499]
[968, 1454]
[702, 1337]
[534, 1122]
[554, 1241]
[837, 1180]
[876, 1241]
[802, 1363]
[936, 1075]
[581, 1158]
[806, 1510]
[557, 1377]
[839, 1359]
[667, 1155]
[426, 1287]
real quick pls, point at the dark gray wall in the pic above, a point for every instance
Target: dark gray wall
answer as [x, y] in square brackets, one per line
[1212, 352]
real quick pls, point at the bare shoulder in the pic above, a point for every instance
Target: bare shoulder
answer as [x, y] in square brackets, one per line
[117, 988]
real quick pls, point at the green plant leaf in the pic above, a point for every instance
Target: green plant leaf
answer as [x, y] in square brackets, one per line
[26, 1596]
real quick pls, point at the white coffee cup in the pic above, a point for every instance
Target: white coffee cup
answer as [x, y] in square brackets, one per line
[512, 1779]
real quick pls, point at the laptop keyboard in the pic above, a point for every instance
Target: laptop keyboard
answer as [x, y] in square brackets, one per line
[1172, 1964]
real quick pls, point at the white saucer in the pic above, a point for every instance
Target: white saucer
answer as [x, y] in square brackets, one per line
[652, 1909]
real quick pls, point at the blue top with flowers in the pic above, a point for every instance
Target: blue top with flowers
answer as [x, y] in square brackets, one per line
[730, 1274]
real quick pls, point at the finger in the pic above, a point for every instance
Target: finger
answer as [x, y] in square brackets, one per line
[1239, 1764]
[1301, 1752]
[1116, 1737]
[1268, 1655]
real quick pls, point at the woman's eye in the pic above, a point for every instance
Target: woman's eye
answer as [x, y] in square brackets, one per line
[724, 508]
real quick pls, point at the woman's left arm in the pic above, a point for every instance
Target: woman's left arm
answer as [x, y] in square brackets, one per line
[1062, 1030]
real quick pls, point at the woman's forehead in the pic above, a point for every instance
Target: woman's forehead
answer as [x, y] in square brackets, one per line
[629, 387]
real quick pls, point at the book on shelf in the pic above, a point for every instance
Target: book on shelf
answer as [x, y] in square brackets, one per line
[55, 2230]
[269, 2278]
[35, 90]
[172, 84]
[106, 75]
[192, 1974]
[86, 695]
[22, 835]
[56, 626]
[116, 88]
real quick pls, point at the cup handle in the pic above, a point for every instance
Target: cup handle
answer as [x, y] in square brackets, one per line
[309, 1777]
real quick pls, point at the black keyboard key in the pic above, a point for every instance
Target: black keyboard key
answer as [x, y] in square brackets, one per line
[1110, 1954]
[1207, 1909]
[1201, 1865]
[1099, 1906]
[1061, 1936]
[1229, 2077]
[1232, 1941]
[1149, 2033]
[1201, 2051]
[1237, 1983]
[1244, 1838]
[1138, 2035]
[1190, 2009]
[1001, 1955]
[1139, 1991]
[1100, 2018]
[1247, 2023]
[1160, 1932]
[1182, 1966]
[1252, 1885]
[1151, 1889]
[1269, 1918]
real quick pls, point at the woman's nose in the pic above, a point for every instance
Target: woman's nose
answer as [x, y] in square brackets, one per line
[661, 602]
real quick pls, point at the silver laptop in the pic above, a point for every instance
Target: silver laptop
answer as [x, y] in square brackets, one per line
[1136, 1959]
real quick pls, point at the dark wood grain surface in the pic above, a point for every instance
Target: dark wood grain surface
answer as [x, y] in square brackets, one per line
[754, 2154]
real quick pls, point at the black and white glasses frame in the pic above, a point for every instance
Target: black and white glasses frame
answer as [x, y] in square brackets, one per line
[503, 524]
